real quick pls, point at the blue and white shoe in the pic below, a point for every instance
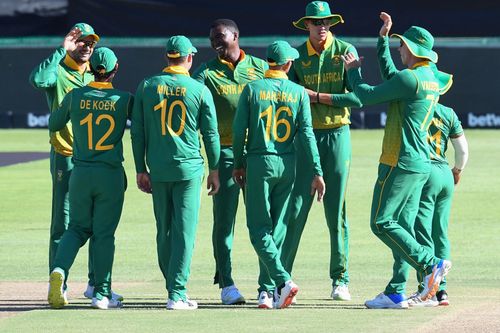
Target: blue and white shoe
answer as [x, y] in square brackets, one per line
[432, 280]
[390, 301]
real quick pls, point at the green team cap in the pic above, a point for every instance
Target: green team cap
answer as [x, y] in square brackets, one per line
[280, 52]
[420, 43]
[445, 80]
[103, 60]
[86, 30]
[179, 46]
[318, 10]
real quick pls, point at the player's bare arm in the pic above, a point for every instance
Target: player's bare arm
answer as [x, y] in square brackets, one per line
[318, 187]
[350, 61]
[144, 182]
[386, 27]
[239, 176]
[213, 182]
[69, 42]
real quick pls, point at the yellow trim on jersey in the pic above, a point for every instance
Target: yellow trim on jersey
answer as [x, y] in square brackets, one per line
[310, 49]
[424, 63]
[71, 63]
[176, 70]
[101, 85]
[230, 65]
[275, 74]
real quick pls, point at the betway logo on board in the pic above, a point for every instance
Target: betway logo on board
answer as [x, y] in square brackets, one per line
[483, 120]
[34, 120]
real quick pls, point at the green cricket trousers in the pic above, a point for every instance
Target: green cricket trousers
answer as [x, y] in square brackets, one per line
[334, 146]
[396, 195]
[176, 205]
[269, 183]
[96, 197]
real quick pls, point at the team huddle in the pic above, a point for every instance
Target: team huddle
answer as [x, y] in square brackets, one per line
[276, 130]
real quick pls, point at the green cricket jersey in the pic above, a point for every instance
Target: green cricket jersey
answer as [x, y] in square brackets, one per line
[58, 75]
[169, 109]
[273, 110]
[98, 113]
[413, 94]
[226, 82]
[325, 73]
[444, 125]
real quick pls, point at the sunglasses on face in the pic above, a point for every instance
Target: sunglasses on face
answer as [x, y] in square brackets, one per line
[321, 22]
[89, 43]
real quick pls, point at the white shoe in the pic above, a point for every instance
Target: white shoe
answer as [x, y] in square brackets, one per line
[231, 296]
[57, 296]
[284, 298]
[391, 301]
[106, 303]
[416, 302]
[432, 280]
[265, 300]
[89, 293]
[341, 293]
[182, 305]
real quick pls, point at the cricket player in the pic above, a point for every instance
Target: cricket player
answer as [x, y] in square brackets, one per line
[226, 76]
[98, 114]
[431, 224]
[271, 112]
[405, 161]
[321, 71]
[169, 109]
[67, 68]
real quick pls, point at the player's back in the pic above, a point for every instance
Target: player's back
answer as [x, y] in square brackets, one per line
[274, 107]
[98, 114]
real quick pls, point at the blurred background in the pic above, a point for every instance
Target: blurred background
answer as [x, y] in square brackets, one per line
[467, 41]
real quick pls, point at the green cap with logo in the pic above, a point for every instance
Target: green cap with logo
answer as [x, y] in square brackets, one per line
[280, 52]
[179, 46]
[420, 43]
[445, 80]
[86, 30]
[318, 10]
[103, 60]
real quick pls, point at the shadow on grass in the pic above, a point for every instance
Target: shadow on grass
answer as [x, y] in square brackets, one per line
[13, 307]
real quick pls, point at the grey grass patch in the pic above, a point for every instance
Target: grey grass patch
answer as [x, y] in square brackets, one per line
[21, 157]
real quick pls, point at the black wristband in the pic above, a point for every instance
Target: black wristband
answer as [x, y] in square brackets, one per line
[317, 97]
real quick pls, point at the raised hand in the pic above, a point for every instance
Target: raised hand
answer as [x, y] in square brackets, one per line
[386, 27]
[350, 61]
[71, 39]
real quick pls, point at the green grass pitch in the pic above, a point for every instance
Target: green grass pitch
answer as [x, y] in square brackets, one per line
[474, 282]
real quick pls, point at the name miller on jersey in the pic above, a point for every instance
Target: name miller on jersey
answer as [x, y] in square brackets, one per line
[266, 95]
[90, 104]
[171, 91]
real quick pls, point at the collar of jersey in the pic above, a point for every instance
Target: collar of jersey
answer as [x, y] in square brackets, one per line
[275, 74]
[424, 63]
[310, 49]
[101, 85]
[230, 65]
[176, 70]
[71, 63]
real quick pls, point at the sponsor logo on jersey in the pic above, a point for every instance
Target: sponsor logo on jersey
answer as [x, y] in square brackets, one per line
[59, 175]
[251, 73]
[96, 93]
[306, 64]
[336, 60]
[220, 73]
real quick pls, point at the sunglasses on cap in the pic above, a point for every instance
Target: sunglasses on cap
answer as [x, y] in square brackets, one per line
[321, 22]
[89, 43]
